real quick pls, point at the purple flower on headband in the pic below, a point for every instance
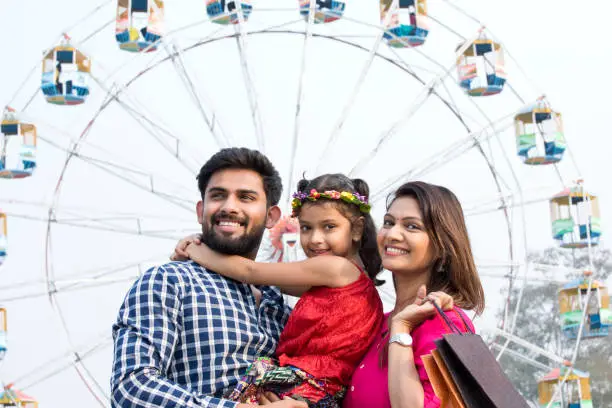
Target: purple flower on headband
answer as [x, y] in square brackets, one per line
[299, 195]
[361, 198]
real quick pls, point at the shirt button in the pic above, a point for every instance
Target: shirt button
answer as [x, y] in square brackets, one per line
[363, 365]
[352, 388]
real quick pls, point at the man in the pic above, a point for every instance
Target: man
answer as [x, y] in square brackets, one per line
[185, 335]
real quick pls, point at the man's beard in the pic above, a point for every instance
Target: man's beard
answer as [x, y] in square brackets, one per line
[243, 245]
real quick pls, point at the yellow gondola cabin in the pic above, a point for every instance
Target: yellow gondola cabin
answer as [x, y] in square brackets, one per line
[575, 393]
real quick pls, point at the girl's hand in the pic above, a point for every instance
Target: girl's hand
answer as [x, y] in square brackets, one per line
[272, 400]
[180, 251]
[214, 261]
[422, 309]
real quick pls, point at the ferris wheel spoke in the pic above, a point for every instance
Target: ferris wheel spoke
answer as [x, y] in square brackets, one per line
[405, 118]
[96, 31]
[242, 44]
[75, 281]
[522, 357]
[110, 224]
[529, 346]
[141, 179]
[346, 110]
[61, 363]
[494, 205]
[438, 159]
[169, 141]
[214, 126]
[300, 96]
[90, 382]
[447, 27]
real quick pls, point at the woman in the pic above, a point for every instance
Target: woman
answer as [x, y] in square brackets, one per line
[424, 243]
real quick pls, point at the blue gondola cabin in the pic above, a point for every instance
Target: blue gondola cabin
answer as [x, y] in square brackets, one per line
[407, 26]
[226, 11]
[17, 147]
[481, 67]
[539, 134]
[65, 75]
[575, 218]
[139, 24]
[326, 11]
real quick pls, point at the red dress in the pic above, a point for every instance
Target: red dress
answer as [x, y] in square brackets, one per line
[331, 329]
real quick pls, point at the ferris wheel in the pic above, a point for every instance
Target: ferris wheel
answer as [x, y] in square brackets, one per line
[102, 141]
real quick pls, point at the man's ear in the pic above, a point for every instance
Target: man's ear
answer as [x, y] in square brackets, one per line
[274, 214]
[199, 211]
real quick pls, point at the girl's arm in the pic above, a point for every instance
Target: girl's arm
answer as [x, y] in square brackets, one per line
[405, 388]
[330, 271]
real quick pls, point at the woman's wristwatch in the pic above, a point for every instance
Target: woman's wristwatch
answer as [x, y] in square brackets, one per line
[403, 339]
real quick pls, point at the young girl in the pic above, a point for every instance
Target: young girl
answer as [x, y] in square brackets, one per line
[339, 313]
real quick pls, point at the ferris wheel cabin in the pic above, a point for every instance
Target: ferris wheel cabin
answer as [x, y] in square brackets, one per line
[65, 74]
[573, 302]
[3, 237]
[575, 218]
[575, 392]
[139, 24]
[17, 147]
[3, 332]
[226, 11]
[408, 26]
[481, 68]
[539, 134]
[17, 399]
[326, 11]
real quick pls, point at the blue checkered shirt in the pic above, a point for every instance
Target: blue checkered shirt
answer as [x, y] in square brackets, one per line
[184, 336]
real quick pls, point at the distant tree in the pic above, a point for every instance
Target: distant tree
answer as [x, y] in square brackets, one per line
[538, 323]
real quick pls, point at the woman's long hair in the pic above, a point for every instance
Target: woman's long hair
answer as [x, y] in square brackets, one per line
[453, 270]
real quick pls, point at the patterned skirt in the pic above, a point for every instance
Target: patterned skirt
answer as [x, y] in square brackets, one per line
[265, 375]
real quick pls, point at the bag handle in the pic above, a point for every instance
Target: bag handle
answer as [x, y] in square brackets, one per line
[451, 325]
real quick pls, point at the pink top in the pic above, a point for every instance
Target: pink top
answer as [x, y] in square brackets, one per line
[369, 384]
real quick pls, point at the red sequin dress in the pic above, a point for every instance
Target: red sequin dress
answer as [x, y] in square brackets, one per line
[329, 332]
[326, 337]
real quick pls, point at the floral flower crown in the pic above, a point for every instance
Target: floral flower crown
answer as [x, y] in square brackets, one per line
[346, 196]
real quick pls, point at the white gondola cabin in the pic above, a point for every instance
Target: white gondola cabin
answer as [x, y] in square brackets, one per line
[481, 67]
[65, 75]
[17, 147]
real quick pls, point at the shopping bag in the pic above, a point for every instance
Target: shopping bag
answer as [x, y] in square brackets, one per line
[465, 374]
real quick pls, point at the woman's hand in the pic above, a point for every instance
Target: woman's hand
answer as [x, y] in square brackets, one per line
[422, 309]
[180, 251]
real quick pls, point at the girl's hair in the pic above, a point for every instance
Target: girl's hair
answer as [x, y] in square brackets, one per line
[368, 249]
[453, 270]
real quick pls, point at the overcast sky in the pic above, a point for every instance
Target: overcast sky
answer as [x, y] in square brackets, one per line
[551, 51]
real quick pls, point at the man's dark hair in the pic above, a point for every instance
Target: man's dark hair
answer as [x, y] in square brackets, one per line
[243, 158]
